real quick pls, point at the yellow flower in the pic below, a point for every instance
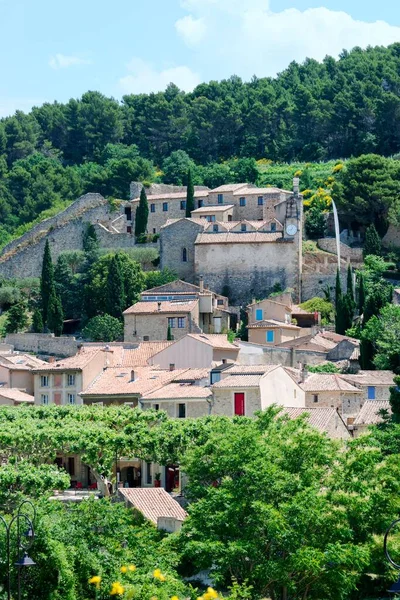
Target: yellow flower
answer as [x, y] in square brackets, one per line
[124, 569]
[212, 593]
[117, 589]
[158, 575]
[174, 598]
[132, 568]
[95, 580]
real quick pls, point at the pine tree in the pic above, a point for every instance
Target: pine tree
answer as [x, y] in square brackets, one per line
[46, 280]
[90, 239]
[115, 289]
[55, 315]
[142, 214]
[372, 244]
[361, 293]
[17, 318]
[189, 195]
[37, 321]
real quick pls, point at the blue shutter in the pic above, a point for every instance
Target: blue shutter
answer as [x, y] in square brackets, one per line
[270, 336]
[371, 392]
[259, 314]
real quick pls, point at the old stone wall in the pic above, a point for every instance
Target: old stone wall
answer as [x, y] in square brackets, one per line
[194, 408]
[248, 269]
[348, 404]
[355, 255]
[319, 271]
[155, 326]
[223, 403]
[173, 240]
[263, 355]
[43, 343]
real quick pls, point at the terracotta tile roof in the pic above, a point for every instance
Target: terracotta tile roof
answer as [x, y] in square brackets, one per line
[238, 381]
[261, 191]
[148, 308]
[327, 382]
[337, 337]
[138, 357]
[250, 369]
[154, 503]
[117, 381]
[174, 196]
[230, 187]
[369, 413]
[179, 391]
[212, 209]
[296, 309]
[216, 340]
[238, 238]
[176, 287]
[269, 300]
[271, 323]
[323, 341]
[21, 362]
[193, 375]
[75, 363]
[317, 417]
[16, 395]
[202, 222]
[384, 378]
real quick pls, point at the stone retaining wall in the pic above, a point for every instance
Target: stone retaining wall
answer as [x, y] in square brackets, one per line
[43, 343]
[329, 245]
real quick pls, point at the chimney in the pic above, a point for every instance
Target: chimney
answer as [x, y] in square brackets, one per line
[172, 367]
[79, 348]
[296, 186]
[159, 306]
[253, 301]
[303, 373]
[201, 284]
[132, 375]
[52, 359]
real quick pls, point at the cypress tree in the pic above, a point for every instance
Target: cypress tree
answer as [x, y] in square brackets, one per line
[46, 280]
[115, 289]
[189, 195]
[65, 286]
[361, 293]
[169, 334]
[142, 214]
[372, 243]
[37, 321]
[339, 323]
[395, 399]
[90, 240]
[350, 289]
[55, 315]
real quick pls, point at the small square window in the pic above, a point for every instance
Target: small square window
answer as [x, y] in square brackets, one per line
[146, 338]
[270, 336]
[165, 206]
[152, 208]
[273, 226]
[183, 204]
[44, 399]
[371, 392]
[71, 398]
[243, 227]
[200, 203]
[220, 198]
[181, 411]
[171, 322]
[259, 314]
[156, 406]
[220, 302]
[154, 230]
[260, 200]
[181, 322]
[215, 228]
[242, 201]
[71, 379]
[315, 398]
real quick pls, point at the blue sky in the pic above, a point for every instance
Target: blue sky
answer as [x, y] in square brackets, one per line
[56, 50]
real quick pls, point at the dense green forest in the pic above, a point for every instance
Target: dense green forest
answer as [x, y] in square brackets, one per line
[310, 112]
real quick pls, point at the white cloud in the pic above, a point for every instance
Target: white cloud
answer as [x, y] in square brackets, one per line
[246, 38]
[192, 30]
[61, 61]
[144, 78]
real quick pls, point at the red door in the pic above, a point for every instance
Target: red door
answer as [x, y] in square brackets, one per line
[239, 403]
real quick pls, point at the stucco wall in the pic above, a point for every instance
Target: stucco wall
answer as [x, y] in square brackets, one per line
[277, 387]
[184, 354]
[255, 355]
[23, 380]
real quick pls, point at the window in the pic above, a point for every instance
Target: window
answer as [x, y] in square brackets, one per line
[181, 322]
[210, 218]
[152, 208]
[315, 398]
[171, 322]
[148, 473]
[243, 227]
[270, 336]
[220, 302]
[260, 200]
[183, 204]
[71, 465]
[184, 255]
[154, 230]
[165, 206]
[146, 338]
[273, 226]
[215, 228]
[156, 406]
[371, 392]
[215, 376]
[129, 229]
[242, 201]
[44, 399]
[71, 380]
[200, 203]
[259, 314]
[71, 398]
[44, 381]
[181, 411]
[220, 198]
